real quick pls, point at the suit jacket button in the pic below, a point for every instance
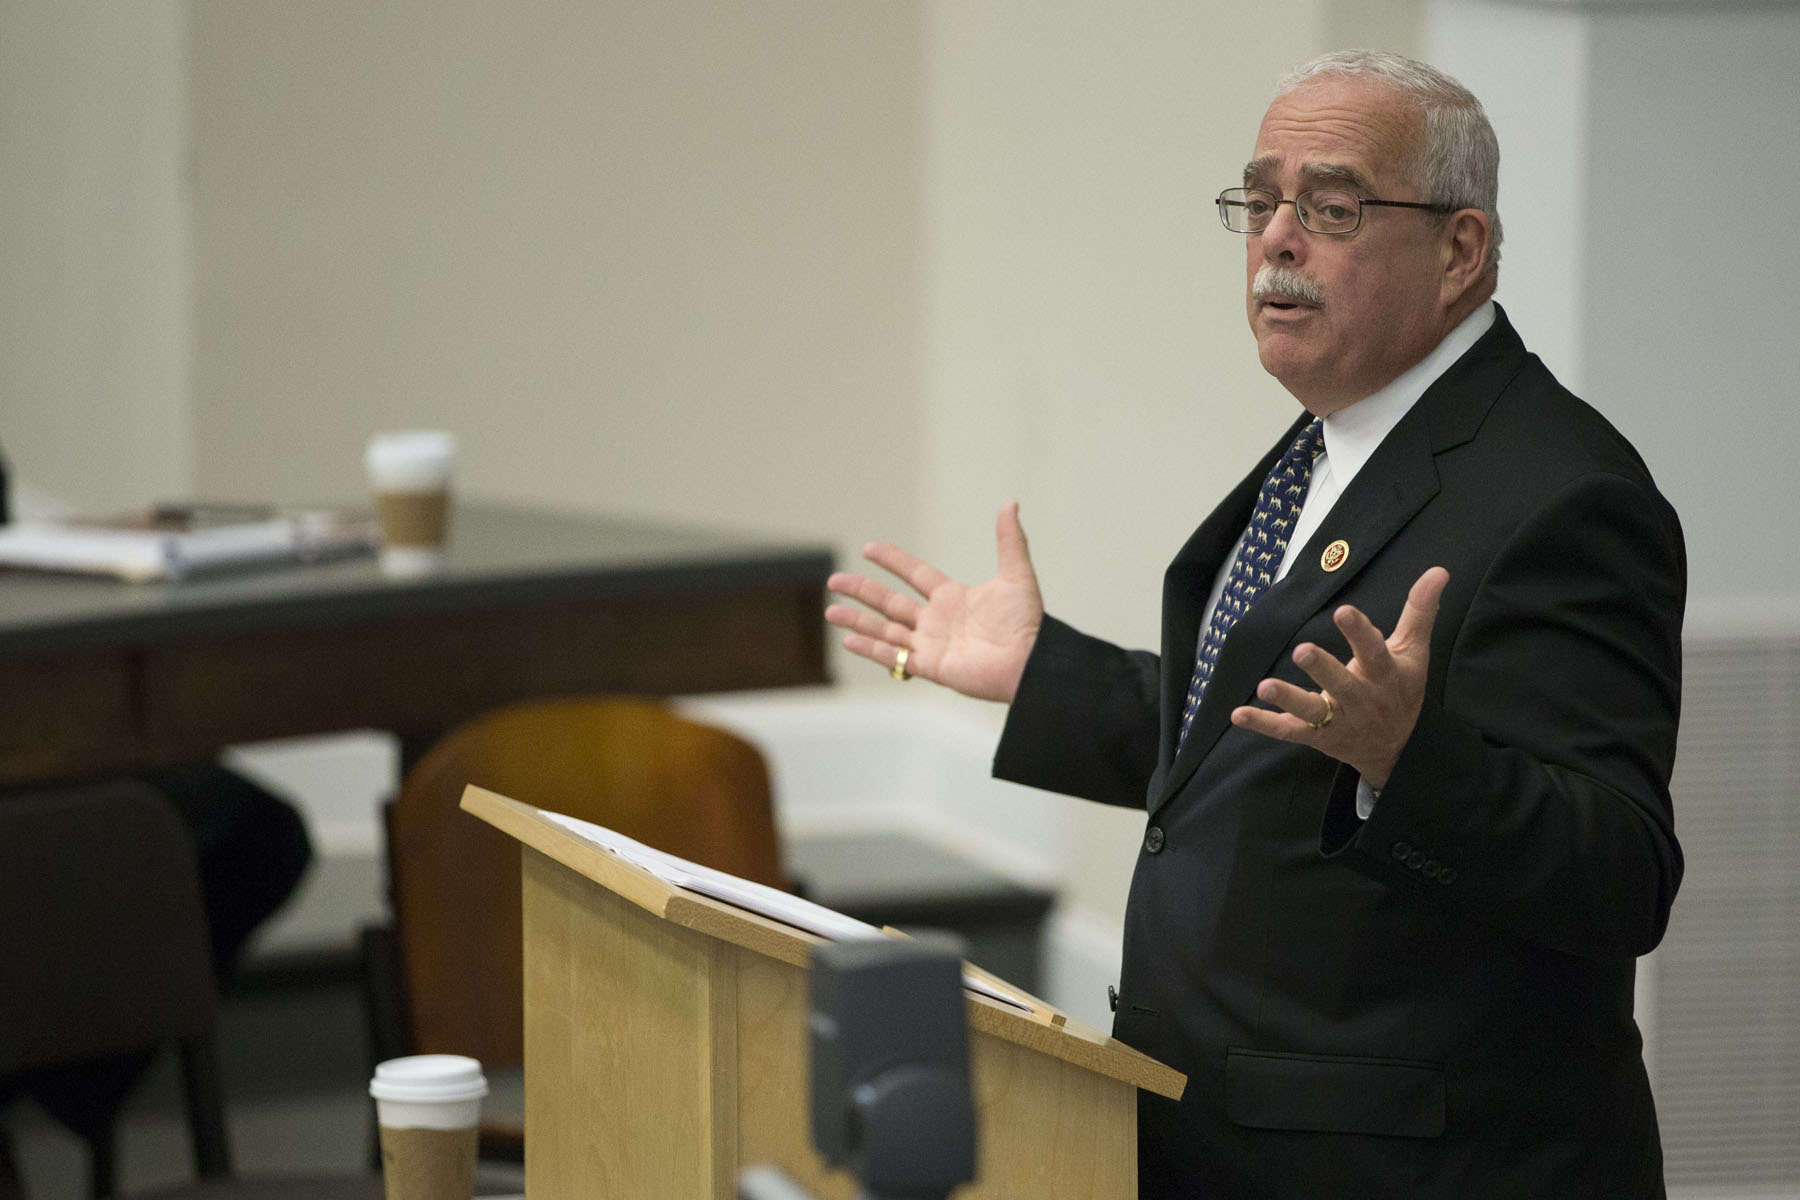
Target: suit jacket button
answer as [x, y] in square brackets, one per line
[1447, 875]
[1153, 840]
[1401, 850]
[1431, 868]
[1415, 860]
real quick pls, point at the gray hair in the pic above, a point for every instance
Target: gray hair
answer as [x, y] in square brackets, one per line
[1459, 165]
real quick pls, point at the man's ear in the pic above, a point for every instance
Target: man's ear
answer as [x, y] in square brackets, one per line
[1465, 239]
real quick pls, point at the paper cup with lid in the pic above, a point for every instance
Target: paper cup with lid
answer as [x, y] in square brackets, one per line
[428, 1107]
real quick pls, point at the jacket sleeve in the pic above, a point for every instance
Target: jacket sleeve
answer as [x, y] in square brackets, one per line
[1084, 721]
[1534, 791]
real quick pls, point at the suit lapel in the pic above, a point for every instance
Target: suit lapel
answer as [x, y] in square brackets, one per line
[1399, 479]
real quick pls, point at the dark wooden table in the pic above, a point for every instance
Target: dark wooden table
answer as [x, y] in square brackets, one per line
[97, 675]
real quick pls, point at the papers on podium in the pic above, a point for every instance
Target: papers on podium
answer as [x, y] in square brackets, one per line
[759, 898]
[173, 542]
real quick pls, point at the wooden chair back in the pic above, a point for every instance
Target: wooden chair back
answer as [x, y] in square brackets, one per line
[687, 788]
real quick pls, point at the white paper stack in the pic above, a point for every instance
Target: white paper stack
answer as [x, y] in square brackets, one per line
[148, 549]
[756, 897]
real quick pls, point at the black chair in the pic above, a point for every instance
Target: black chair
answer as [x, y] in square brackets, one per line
[104, 946]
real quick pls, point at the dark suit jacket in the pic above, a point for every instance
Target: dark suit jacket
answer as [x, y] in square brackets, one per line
[1437, 1002]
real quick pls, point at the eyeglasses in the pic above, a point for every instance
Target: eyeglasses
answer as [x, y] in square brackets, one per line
[1322, 210]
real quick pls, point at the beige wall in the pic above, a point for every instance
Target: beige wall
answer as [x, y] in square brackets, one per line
[94, 256]
[651, 256]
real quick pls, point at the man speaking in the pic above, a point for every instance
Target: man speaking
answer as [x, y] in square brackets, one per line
[1405, 751]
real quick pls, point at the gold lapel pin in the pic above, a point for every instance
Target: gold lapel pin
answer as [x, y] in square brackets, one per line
[1336, 555]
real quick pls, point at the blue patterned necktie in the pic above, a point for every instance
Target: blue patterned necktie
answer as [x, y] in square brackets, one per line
[1258, 557]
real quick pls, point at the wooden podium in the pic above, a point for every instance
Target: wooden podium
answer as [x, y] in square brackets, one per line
[666, 1047]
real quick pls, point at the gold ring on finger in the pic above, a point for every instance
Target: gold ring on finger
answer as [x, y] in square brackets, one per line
[1330, 712]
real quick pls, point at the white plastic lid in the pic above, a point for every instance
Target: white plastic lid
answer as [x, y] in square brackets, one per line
[418, 458]
[429, 1079]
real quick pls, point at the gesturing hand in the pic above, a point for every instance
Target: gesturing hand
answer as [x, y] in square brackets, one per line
[1365, 709]
[974, 640]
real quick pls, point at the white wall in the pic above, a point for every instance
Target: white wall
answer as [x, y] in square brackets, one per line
[94, 251]
[1694, 107]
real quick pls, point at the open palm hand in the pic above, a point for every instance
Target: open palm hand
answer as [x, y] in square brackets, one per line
[974, 640]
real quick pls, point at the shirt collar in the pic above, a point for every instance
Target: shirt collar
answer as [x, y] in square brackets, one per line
[1353, 432]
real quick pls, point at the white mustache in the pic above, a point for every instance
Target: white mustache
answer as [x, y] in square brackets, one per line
[1285, 281]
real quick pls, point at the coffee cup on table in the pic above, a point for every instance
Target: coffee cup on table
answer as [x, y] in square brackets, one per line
[428, 1107]
[409, 473]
